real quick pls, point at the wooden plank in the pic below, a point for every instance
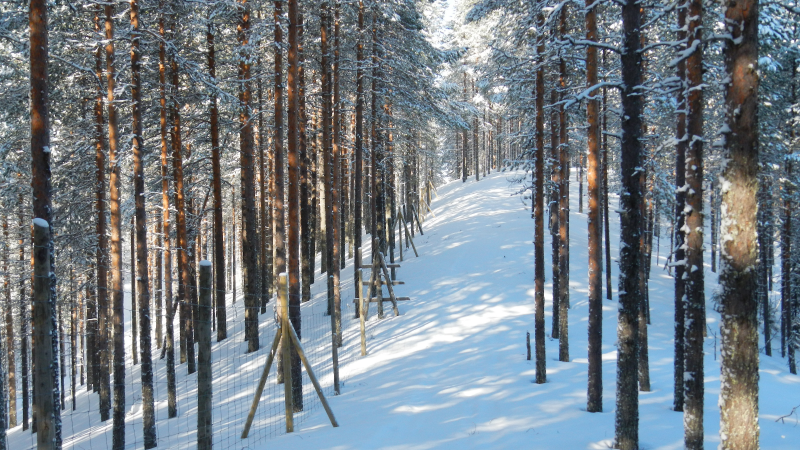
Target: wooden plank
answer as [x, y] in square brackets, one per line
[400, 233]
[408, 234]
[416, 216]
[310, 372]
[394, 283]
[376, 276]
[388, 285]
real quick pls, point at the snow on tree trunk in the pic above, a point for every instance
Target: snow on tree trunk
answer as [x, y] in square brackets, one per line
[694, 300]
[42, 209]
[142, 283]
[739, 187]
[630, 296]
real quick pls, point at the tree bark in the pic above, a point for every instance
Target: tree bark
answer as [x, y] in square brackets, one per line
[42, 206]
[141, 281]
[538, 246]
[249, 219]
[694, 303]
[595, 224]
[24, 323]
[630, 296]
[679, 235]
[563, 203]
[219, 238]
[738, 306]
[10, 341]
[293, 156]
[172, 409]
[359, 137]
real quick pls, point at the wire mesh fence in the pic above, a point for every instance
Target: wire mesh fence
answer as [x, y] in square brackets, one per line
[235, 372]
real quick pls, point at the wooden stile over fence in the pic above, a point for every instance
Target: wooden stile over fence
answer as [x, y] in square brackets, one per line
[374, 286]
[286, 338]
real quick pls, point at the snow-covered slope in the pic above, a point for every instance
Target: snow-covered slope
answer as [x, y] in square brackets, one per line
[450, 371]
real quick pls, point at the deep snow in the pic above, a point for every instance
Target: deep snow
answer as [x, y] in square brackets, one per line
[450, 372]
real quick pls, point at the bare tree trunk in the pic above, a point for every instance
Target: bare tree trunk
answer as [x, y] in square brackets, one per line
[555, 180]
[563, 204]
[261, 186]
[249, 218]
[24, 323]
[678, 231]
[306, 189]
[475, 141]
[219, 238]
[293, 156]
[605, 163]
[44, 405]
[134, 319]
[10, 340]
[100, 205]
[42, 209]
[465, 147]
[141, 280]
[631, 196]
[595, 224]
[172, 409]
[279, 219]
[694, 303]
[541, 362]
[738, 302]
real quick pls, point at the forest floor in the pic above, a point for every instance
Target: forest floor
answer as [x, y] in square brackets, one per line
[451, 370]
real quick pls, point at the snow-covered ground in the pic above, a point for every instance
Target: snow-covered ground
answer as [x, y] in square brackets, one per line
[451, 370]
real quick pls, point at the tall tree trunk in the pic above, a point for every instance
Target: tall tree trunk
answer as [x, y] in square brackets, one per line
[172, 409]
[181, 235]
[293, 157]
[595, 224]
[115, 286]
[738, 302]
[786, 261]
[630, 296]
[306, 194]
[604, 164]
[100, 205]
[279, 220]
[24, 326]
[538, 246]
[465, 146]
[134, 321]
[563, 203]
[475, 140]
[42, 187]
[552, 200]
[10, 340]
[249, 218]
[219, 238]
[678, 231]
[359, 137]
[694, 303]
[264, 248]
[142, 281]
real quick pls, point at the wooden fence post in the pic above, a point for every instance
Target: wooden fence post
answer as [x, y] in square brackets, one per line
[43, 330]
[204, 392]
